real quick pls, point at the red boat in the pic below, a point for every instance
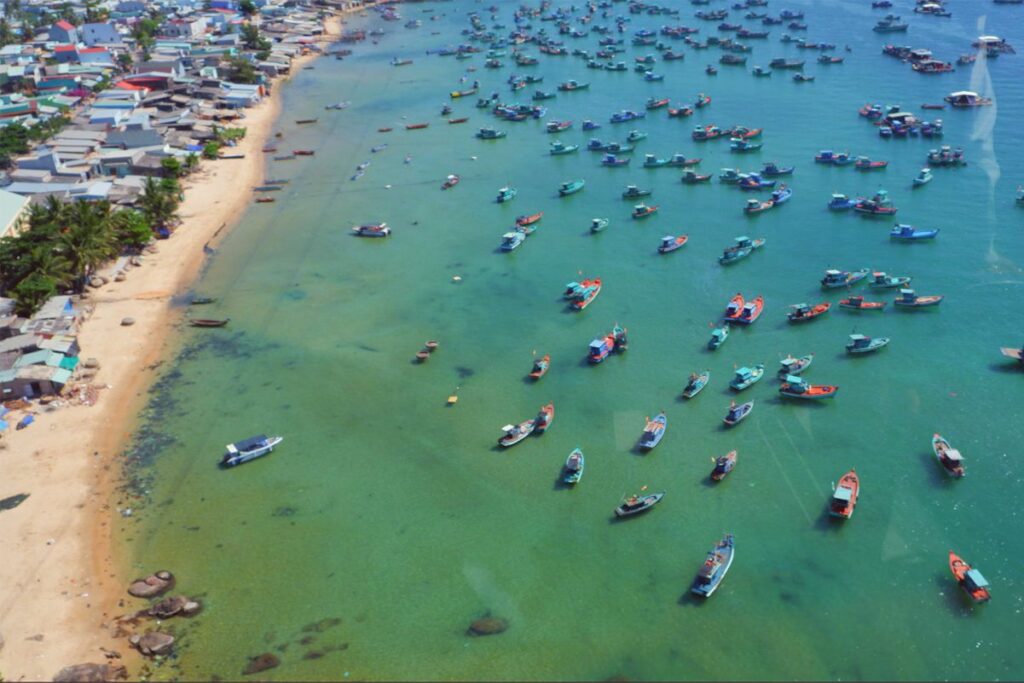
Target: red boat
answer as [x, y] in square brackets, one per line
[745, 133]
[865, 164]
[462, 120]
[268, 150]
[642, 211]
[590, 289]
[671, 243]
[702, 101]
[416, 126]
[857, 303]
[522, 221]
[802, 312]
[657, 104]
[265, 200]
[680, 113]
[971, 580]
[450, 182]
[544, 418]
[735, 308]
[303, 152]
[540, 367]
[844, 498]
[751, 311]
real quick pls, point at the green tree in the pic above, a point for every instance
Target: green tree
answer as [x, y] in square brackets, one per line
[157, 204]
[252, 39]
[248, 8]
[171, 165]
[191, 162]
[31, 293]
[88, 241]
[211, 150]
[241, 71]
[7, 35]
[125, 61]
[130, 228]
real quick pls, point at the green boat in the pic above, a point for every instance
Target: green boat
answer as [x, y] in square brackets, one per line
[718, 337]
[506, 194]
[571, 187]
[561, 148]
[746, 376]
[651, 161]
[541, 95]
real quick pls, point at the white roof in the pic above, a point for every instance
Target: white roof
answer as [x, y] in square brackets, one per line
[963, 93]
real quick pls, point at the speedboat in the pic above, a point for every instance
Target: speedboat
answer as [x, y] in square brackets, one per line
[745, 377]
[844, 496]
[654, 430]
[908, 233]
[923, 177]
[950, 458]
[803, 312]
[249, 449]
[574, 467]
[794, 387]
[857, 303]
[696, 383]
[794, 366]
[908, 299]
[970, 579]
[841, 278]
[513, 434]
[860, 343]
[511, 240]
[1016, 354]
[714, 568]
[737, 413]
[671, 243]
[636, 504]
[723, 466]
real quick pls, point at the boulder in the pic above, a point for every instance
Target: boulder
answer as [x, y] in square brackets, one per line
[91, 363]
[152, 643]
[153, 585]
[267, 660]
[127, 322]
[177, 605]
[91, 673]
[487, 626]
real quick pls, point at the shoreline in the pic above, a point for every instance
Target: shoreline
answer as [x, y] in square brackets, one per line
[60, 599]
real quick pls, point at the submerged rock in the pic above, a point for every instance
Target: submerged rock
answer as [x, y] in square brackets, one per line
[487, 626]
[153, 585]
[90, 673]
[267, 660]
[153, 643]
[177, 605]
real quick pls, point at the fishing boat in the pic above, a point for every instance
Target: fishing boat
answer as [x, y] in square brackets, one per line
[781, 63]
[734, 308]
[829, 59]
[908, 233]
[249, 449]
[950, 458]
[542, 95]
[840, 202]
[598, 224]
[372, 230]
[590, 125]
[745, 377]
[802, 78]
[570, 187]
[641, 210]
[730, 176]
[524, 220]
[305, 121]
[490, 134]
[208, 322]
[652, 77]
[651, 161]
[613, 161]
[844, 496]
[511, 240]
[513, 434]
[416, 126]
[451, 181]
[741, 145]
[627, 115]
[737, 413]
[202, 300]
[715, 567]
[654, 430]
[751, 311]
[635, 136]
[804, 312]
[732, 60]
[634, 192]
[857, 303]
[557, 126]
[691, 177]
[966, 98]
[841, 278]
[589, 289]
[544, 418]
[702, 101]
[860, 343]
[710, 70]
[1016, 354]
[303, 152]
[753, 181]
[506, 194]
[446, 110]
[755, 206]
[923, 177]
[572, 85]
[671, 243]
[540, 367]
[772, 170]
[601, 348]
[558, 147]
[743, 247]
[697, 381]
[680, 161]
[573, 467]
[636, 504]
[866, 164]
[265, 200]
[656, 103]
[971, 580]
[880, 280]
[794, 366]
[761, 72]
[456, 94]
[781, 195]
[908, 299]
[794, 387]
[458, 120]
[718, 336]
[723, 466]
[704, 133]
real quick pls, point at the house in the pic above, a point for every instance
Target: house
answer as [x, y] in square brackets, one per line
[65, 54]
[183, 28]
[63, 32]
[95, 55]
[104, 33]
[13, 208]
[136, 133]
[30, 381]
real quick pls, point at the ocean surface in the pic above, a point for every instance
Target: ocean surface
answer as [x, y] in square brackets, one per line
[387, 521]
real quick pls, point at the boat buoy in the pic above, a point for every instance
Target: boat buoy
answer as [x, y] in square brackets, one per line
[456, 278]
[431, 346]
[422, 355]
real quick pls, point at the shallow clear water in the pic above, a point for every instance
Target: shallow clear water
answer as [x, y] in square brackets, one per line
[396, 514]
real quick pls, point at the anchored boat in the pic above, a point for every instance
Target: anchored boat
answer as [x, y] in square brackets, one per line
[715, 567]
[723, 466]
[249, 449]
[654, 430]
[844, 496]
[696, 383]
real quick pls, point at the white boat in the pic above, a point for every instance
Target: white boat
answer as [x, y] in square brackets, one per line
[249, 449]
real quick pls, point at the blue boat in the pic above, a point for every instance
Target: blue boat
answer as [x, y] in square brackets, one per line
[506, 194]
[718, 336]
[697, 382]
[653, 77]
[590, 125]
[737, 413]
[571, 187]
[715, 567]
[742, 145]
[781, 195]
[771, 170]
[612, 160]
[574, 467]
[595, 145]
[627, 115]
[746, 376]
[753, 181]
[654, 430]
[840, 202]
[908, 233]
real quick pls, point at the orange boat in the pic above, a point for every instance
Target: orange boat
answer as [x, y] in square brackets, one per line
[529, 220]
[802, 312]
[735, 308]
[540, 367]
[746, 133]
[751, 311]
[462, 120]
[303, 152]
[857, 303]
[545, 417]
[971, 580]
[795, 387]
[844, 498]
[264, 200]
[416, 126]
[589, 289]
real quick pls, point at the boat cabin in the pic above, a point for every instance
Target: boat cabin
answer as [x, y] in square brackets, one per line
[841, 499]
[973, 580]
[744, 242]
[908, 295]
[796, 385]
[859, 341]
[743, 375]
[251, 444]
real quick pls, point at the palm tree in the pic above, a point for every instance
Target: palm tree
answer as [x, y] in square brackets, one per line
[51, 264]
[88, 241]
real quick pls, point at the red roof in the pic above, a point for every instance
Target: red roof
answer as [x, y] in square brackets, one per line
[91, 50]
[64, 48]
[64, 25]
[125, 85]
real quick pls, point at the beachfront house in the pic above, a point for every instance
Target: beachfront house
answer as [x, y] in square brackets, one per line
[28, 378]
[13, 210]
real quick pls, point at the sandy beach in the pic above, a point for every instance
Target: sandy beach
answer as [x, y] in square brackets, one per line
[60, 589]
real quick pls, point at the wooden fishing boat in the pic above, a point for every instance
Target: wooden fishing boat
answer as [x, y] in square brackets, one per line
[303, 152]
[589, 289]
[384, 130]
[857, 303]
[643, 211]
[459, 120]
[866, 164]
[544, 418]
[715, 567]
[908, 233]
[671, 243]
[737, 413]
[718, 336]
[970, 579]
[574, 467]
[513, 434]
[745, 377]
[950, 458]
[723, 466]
[734, 308]
[208, 322]
[755, 206]
[908, 299]
[511, 240]
[794, 387]
[634, 505]
[844, 496]
[265, 200]
[841, 278]
[742, 248]
[879, 280]
[696, 383]
[803, 312]
[305, 121]
[860, 343]
[1016, 354]
[633, 192]
[202, 300]
[451, 181]
[924, 177]
[654, 430]
[571, 187]
[506, 194]
[416, 126]
[794, 366]
[540, 367]
[691, 177]
[751, 311]
[530, 219]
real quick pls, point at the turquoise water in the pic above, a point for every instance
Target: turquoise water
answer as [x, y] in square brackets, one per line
[395, 515]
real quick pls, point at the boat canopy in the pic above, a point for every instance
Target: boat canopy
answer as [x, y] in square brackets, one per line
[508, 428]
[842, 494]
[857, 337]
[954, 455]
[744, 374]
[251, 442]
[964, 93]
[790, 379]
[975, 577]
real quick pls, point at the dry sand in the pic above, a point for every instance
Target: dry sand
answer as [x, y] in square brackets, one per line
[60, 588]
